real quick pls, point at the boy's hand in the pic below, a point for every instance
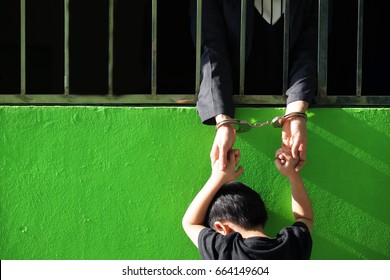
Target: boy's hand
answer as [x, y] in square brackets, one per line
[230, 173]
[285, 163]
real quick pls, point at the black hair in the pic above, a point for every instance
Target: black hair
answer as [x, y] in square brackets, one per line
[237, 203]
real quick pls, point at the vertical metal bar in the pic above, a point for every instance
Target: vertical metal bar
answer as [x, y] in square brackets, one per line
[323, 47]
[359, 54]
[242, 47]
[286, 45]
[198, 45]
[110, 47]
[154, 49]
[22, 47]
[66, 47]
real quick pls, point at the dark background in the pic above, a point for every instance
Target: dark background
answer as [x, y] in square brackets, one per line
[176, 54]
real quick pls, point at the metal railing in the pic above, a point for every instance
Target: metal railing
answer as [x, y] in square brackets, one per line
[322, 99]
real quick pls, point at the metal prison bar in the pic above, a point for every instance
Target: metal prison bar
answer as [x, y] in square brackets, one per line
[154, 98]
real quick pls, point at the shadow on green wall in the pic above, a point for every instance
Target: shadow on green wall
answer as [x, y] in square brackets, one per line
[347, 176]
[86, 183]
[350, 167]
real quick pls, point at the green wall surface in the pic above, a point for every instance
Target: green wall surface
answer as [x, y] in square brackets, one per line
[113, 183]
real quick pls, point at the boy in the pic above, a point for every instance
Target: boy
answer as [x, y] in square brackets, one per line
[236, 216]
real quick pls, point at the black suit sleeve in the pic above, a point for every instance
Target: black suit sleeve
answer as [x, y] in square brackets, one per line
[216, 89]
[303, 52]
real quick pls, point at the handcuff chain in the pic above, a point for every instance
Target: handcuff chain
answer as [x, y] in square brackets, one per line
[276, 122]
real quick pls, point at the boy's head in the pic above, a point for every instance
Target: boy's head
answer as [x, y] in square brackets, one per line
[238, 204]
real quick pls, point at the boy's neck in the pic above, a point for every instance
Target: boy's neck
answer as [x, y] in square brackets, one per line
[252, 233]
[258, 232]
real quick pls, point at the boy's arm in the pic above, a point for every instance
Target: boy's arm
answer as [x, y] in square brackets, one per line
[193, 220]
[301, 205]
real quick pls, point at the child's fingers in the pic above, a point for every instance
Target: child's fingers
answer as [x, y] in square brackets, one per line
[278, 152]
[283, 155]
[231, 156]
[239, 172]
[278, 163]
[281, 158]
[237, 156]
[282, 151]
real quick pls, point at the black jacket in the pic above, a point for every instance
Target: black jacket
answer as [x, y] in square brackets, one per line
[220, 39]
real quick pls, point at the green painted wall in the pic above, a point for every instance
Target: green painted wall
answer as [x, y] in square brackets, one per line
[113, 183]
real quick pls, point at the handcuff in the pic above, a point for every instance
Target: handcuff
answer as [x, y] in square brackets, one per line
[244, 126]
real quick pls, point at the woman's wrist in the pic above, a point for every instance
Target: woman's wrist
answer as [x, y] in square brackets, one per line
[294, 115]
[222, 117]
[224, 123]
[297, 106]
[223, 120]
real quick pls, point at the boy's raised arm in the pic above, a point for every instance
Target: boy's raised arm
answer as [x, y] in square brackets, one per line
[301, 205]
[193, 220]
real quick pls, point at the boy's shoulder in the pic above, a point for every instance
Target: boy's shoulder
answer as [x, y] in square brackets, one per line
[292, 242]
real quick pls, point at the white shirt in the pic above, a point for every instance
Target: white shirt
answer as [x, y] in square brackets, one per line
[271, 10]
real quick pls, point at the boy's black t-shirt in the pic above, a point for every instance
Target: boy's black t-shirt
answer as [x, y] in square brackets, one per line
[291, 243]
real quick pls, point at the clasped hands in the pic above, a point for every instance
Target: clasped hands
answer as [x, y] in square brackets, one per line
[293, 140]
[233, 171]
